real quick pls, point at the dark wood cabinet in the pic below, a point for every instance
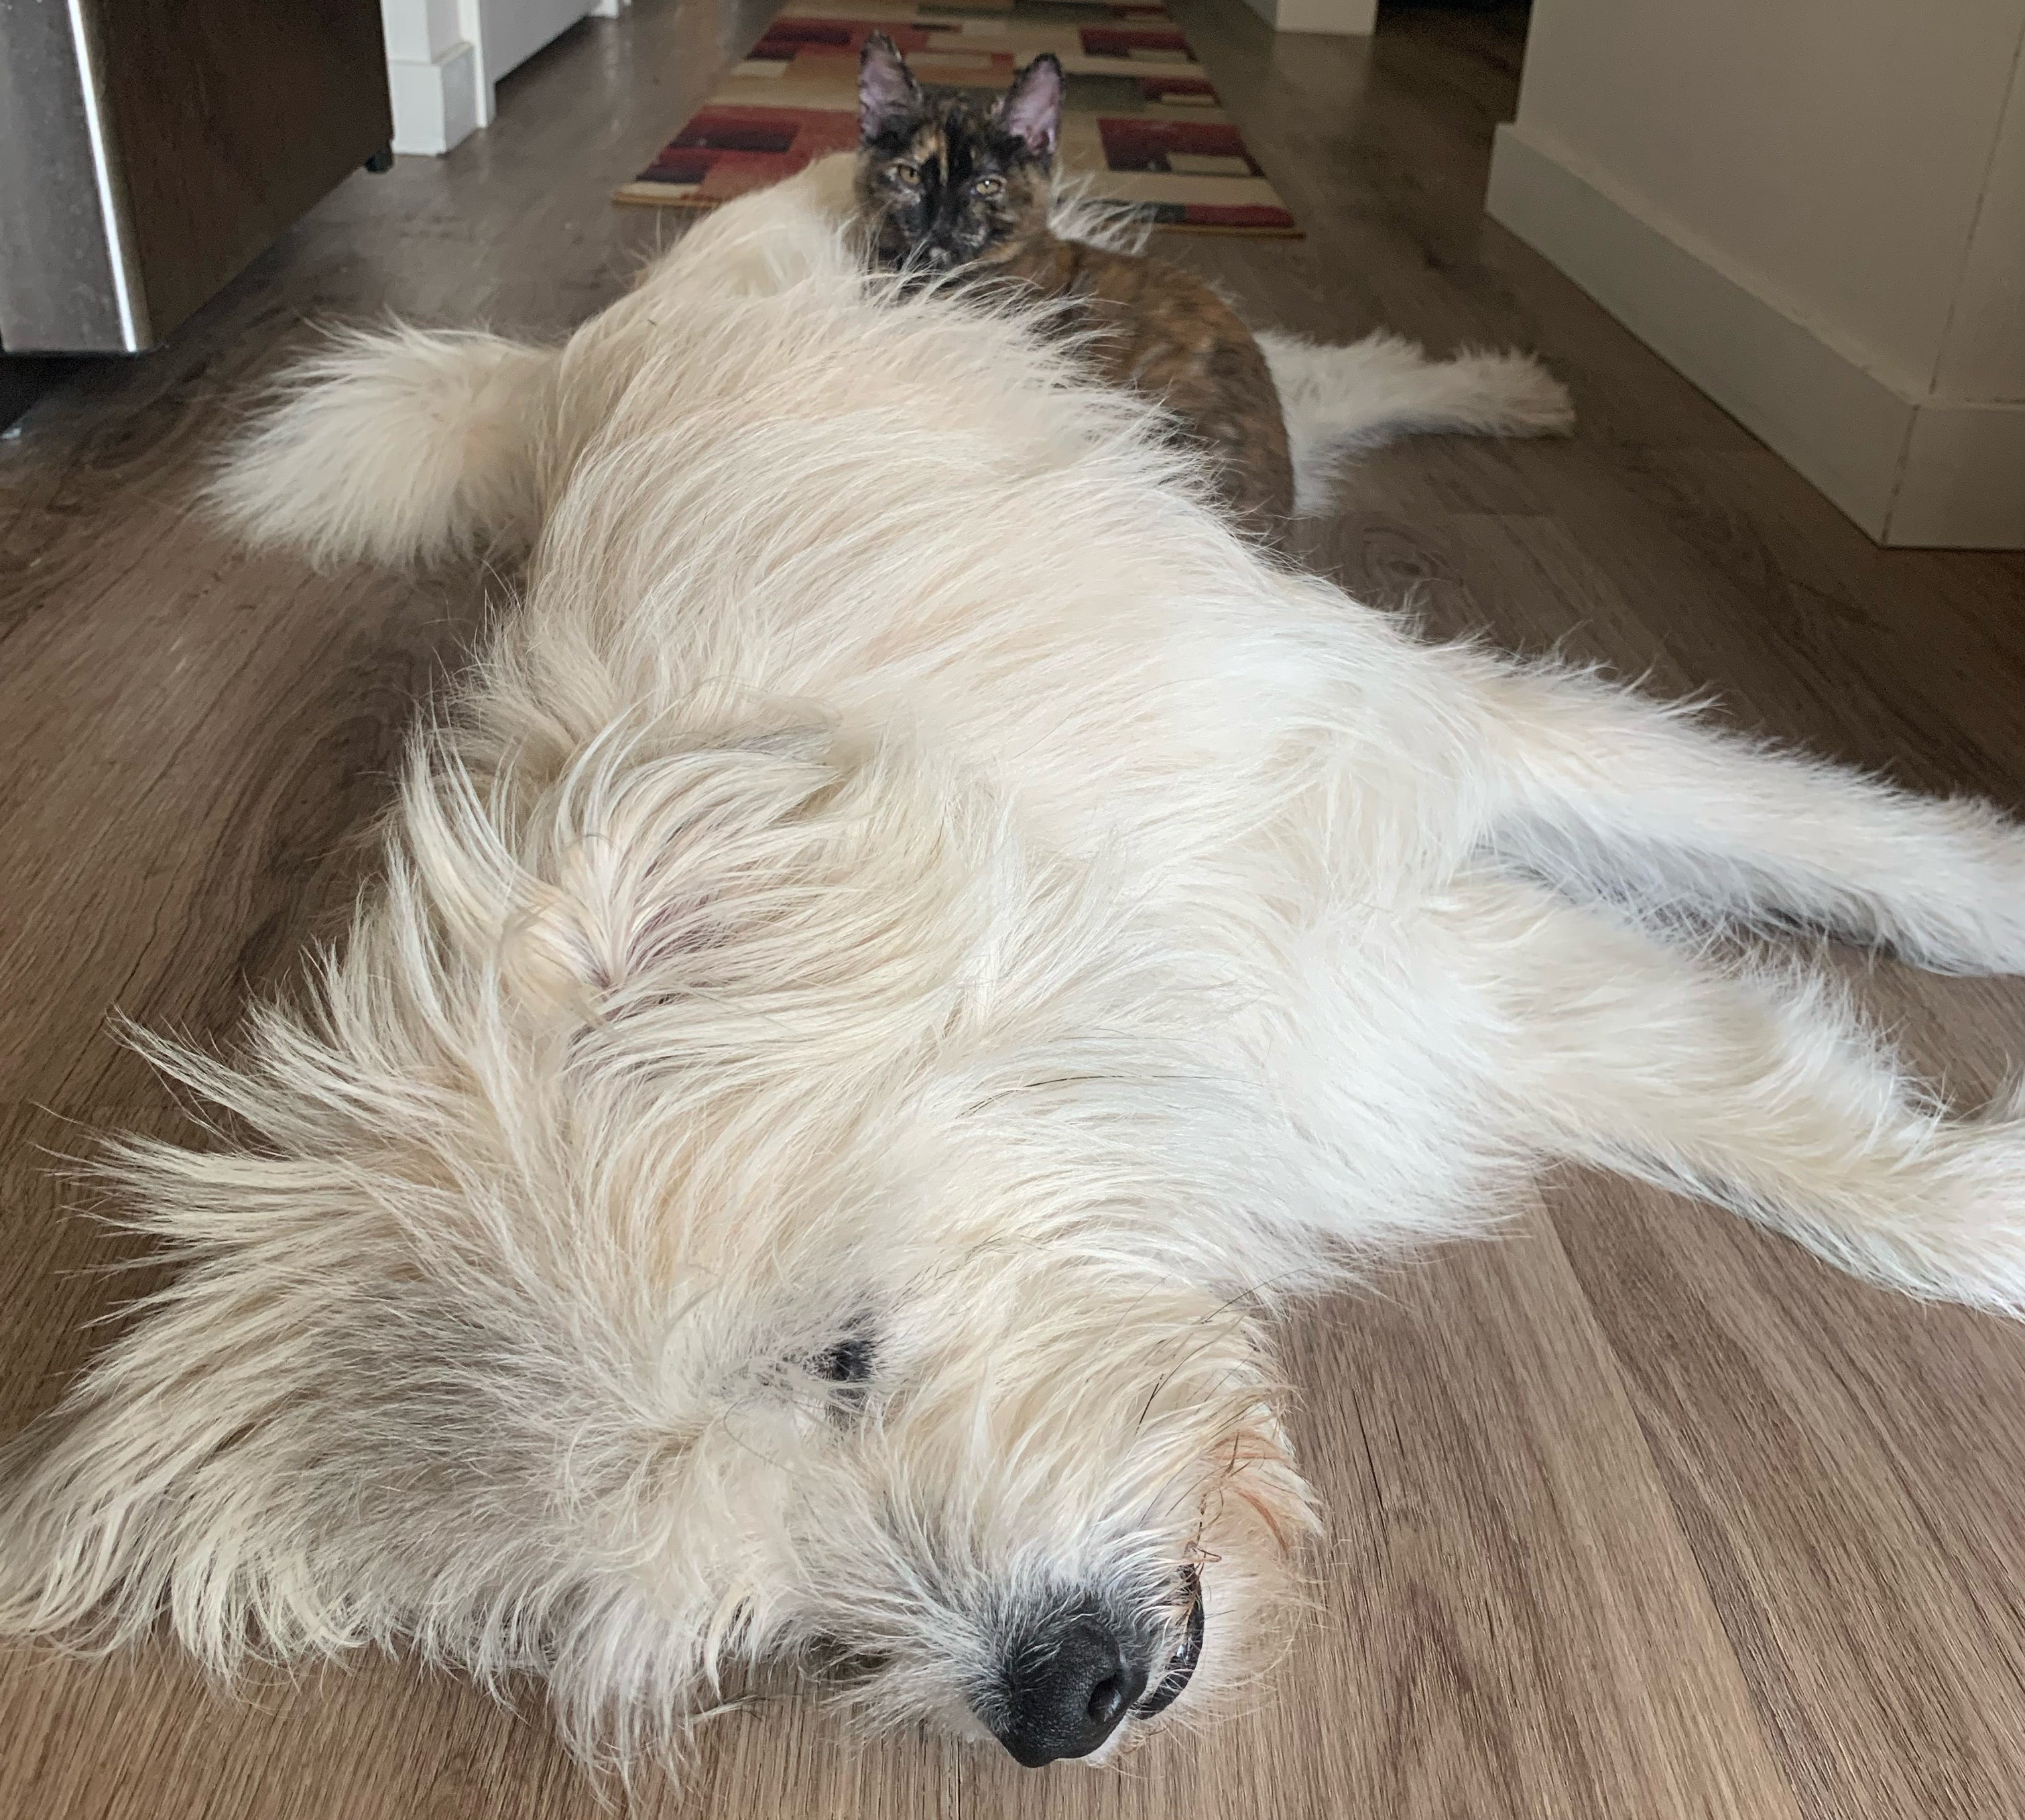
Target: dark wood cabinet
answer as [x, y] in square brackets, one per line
[150, 149]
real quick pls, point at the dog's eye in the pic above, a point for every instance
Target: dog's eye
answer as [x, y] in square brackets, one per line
[909, 175]
[987, 186]
[849, 1361]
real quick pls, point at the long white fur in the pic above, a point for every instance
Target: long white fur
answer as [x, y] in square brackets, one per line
[458, 406]
[1338, 401]
[907, 867]
[453, 477]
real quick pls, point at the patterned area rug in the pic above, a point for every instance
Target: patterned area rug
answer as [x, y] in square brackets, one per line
[1142, 127]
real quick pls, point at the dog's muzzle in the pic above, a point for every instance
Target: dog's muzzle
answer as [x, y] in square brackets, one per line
[1069, 1682]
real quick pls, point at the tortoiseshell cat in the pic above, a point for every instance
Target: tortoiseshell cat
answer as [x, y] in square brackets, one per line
[948, 188]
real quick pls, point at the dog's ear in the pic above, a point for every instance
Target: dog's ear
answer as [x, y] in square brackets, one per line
[1031, 109]
[186, 1473]
[888, 94]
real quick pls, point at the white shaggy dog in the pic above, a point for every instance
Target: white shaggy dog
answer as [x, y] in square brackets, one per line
[914, 940]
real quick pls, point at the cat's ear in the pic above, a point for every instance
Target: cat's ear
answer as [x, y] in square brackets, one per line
[1031, 109]
[887, 93]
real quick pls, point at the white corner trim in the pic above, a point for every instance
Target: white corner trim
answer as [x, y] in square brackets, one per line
[1964, 482]
[436, 104]
[1343, 18]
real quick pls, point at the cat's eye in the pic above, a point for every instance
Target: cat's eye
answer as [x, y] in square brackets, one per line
[987, 186]
[909, 175]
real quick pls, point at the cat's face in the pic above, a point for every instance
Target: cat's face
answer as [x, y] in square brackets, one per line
[944, 183]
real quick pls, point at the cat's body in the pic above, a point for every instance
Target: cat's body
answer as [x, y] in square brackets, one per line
[1162, 330]
[960, 192]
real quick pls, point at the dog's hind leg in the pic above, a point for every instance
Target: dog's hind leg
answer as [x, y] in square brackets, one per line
[396, 445]
[1761, 1092]
[1607, 794]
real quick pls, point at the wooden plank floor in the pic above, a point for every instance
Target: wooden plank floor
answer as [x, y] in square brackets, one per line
[1636, 1513]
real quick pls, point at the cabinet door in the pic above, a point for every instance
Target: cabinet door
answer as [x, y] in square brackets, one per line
[512, 30]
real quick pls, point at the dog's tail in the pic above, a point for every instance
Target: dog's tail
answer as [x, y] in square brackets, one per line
[1338, 400]
[395, 445]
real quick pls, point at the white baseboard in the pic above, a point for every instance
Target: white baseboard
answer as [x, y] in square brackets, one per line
[1910, 470]
[1344, 18]
[436, 104]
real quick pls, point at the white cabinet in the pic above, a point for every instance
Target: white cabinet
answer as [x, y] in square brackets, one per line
[510, 31]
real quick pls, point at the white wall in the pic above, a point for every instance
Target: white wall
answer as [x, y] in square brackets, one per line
[1352, 18]
[1817, 209]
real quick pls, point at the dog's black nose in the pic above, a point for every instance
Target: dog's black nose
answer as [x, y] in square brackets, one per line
[1066, 1684]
